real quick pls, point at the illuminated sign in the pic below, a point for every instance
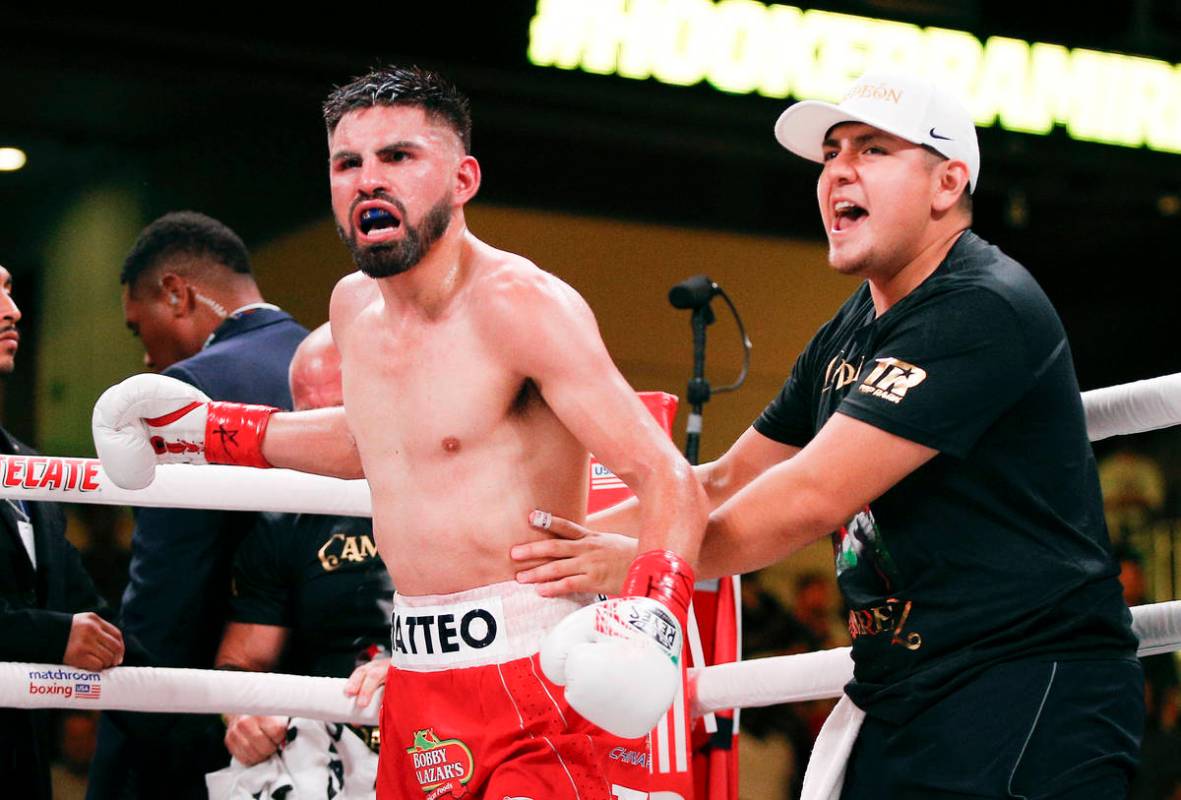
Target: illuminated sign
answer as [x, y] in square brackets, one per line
[743, 46]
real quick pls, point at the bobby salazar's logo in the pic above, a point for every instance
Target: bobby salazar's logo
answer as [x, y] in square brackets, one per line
[442, 767]
[891, 379]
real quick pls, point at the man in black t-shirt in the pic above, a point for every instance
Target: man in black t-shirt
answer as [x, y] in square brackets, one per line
[935, 423]
[311, 596]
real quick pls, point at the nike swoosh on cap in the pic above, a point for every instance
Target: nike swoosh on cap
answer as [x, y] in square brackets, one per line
[934, 135]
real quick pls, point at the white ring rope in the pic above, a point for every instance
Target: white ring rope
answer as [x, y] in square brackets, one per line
[823, 674]
[184, 691]
[1133, 407]
[1116, 410]
[743, 684]
[82, 480]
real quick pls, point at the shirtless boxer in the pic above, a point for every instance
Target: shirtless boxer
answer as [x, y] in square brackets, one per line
[474, 386]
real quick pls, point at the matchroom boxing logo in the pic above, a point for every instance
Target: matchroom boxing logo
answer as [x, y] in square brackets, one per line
[64, 683]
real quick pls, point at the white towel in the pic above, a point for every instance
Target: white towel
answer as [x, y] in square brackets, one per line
[320, 760]
[825, 776]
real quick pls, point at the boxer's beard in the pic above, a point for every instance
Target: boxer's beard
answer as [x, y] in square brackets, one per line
[395, 257]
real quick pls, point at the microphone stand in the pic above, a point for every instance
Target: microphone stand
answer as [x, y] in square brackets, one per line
[695, 294]
[698, 392]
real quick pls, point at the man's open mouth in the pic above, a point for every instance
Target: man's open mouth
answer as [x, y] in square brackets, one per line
[377, 223]
[846, 214]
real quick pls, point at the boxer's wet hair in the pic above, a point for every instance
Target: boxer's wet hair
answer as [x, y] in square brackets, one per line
[184, 234]
[403, 86]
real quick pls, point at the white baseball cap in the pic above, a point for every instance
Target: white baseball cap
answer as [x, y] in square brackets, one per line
[909, 107]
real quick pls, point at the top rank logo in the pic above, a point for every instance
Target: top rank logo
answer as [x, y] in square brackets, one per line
[891, 379]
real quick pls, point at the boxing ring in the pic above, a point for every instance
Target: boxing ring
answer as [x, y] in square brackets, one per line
[742, 684]
[1119, 410]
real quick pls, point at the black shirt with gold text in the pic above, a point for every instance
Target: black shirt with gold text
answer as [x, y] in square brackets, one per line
[996, 549]
[322, 578]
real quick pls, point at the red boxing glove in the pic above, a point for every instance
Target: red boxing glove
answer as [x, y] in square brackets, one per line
[234, 433]
[153, 419]
[662, 575]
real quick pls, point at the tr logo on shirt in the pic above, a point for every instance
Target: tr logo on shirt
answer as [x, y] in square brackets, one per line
[891, 379]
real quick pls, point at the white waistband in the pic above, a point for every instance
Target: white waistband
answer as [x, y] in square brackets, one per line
[486, 625]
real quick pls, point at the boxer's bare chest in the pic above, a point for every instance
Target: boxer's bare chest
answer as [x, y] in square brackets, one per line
[420, 391]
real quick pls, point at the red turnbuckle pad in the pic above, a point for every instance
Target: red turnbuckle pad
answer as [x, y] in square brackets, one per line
[662, 575]
[234, 434]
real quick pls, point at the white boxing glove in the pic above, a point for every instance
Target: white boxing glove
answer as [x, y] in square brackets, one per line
[153, 419]
[620, 660]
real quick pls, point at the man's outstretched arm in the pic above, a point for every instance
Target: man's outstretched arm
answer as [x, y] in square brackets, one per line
[149, 419]
[779, 509]
[317, 441]
[595, 559]
[846, 466]
[746, 459]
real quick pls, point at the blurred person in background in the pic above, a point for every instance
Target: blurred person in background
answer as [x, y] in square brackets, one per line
[190, 297]
[77, 738]
[1160, 750]
[50, 612]
[311, 596]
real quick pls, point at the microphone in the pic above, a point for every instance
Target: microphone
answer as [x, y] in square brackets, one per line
[693, 292]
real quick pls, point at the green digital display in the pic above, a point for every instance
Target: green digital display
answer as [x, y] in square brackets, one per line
[744, 47]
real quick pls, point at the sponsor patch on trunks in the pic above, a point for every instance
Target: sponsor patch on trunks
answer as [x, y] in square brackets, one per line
[442, 766]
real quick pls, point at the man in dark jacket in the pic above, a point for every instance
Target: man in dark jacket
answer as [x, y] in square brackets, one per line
[190, 297]
[49, 608]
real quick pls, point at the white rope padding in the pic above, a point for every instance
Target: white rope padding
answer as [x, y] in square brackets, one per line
[184, 691]
[744, 684]
[1129, 408]
[823, 674]
[82, 480]
[770, 681]
[1133, 407]
[1116, 410]
[1158, 627]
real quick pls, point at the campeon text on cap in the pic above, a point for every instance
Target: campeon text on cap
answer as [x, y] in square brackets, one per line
[912, 108]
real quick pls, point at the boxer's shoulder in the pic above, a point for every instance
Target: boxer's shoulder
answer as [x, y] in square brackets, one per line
[353, 288]
[351, 294]
[514, 292]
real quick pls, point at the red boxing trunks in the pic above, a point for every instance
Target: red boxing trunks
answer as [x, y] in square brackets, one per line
[468, 713]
